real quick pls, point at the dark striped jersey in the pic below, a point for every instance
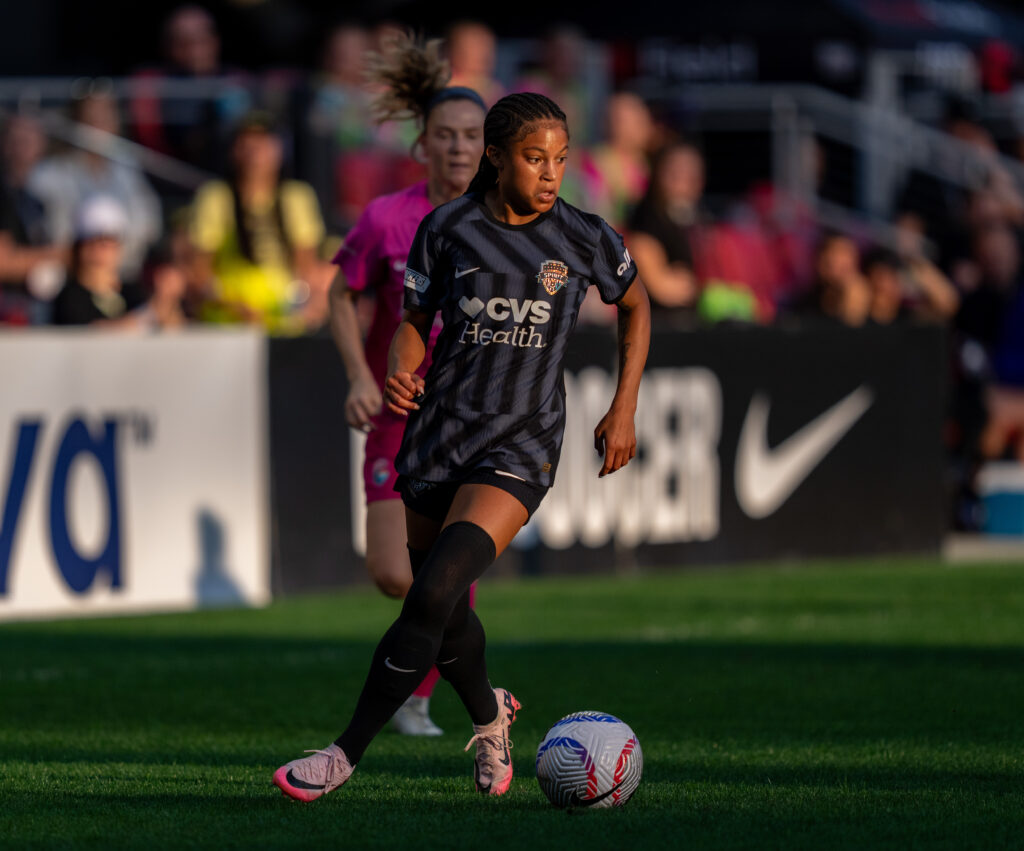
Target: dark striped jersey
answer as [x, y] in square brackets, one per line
[509, 296]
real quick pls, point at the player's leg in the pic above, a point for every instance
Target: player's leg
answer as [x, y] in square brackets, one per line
[402, 658]
[412, 718]
[388, 557]
[422, 532]
[461, 552]
[498, 515]
[425, 537]
[483, 511]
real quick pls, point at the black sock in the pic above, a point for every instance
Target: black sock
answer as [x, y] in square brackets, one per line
[416, 559]
[461, 662]
[461, 657]
[461, 553]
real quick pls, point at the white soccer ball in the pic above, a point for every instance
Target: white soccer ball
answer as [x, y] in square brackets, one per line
[589, 759]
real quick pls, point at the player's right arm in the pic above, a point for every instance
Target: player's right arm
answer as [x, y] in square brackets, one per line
[408, 349]
[422, 300]
[364, 397]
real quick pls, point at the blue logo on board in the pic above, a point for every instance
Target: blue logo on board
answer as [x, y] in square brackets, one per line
[78, 570]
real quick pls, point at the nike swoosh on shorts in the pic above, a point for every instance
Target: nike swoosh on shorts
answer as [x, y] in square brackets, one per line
[388, 664]
[509, 475]
[766, 478]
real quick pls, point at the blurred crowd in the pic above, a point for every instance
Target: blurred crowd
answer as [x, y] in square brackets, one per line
[90, 235]
[291, 167]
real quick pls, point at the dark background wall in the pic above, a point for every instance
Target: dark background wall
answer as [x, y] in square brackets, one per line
[878, 489]
[112, 37]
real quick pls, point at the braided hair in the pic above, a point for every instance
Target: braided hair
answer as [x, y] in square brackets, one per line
[511, 119]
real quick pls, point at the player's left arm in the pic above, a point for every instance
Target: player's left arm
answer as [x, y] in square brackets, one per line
[615, 435]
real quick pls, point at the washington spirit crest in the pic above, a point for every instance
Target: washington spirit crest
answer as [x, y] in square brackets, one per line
[554, 274]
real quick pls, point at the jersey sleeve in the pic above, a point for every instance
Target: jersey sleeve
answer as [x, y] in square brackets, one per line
[612, 270]
[359, 257]
[424, 270]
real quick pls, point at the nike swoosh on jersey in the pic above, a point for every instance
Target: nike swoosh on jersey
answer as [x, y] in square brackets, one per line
[460, 273]
[387, 664]
[766, 478]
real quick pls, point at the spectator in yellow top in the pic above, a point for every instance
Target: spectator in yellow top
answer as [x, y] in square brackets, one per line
[257, 239]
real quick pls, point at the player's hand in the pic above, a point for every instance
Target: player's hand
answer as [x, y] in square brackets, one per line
[615, 440]
[401, 390]
[363, 403]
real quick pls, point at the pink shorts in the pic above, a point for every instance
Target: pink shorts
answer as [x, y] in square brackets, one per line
[382, 446]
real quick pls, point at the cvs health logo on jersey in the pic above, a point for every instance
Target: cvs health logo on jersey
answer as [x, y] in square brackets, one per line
[523, 314]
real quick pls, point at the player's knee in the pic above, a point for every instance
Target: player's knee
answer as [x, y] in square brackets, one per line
[392, 579]
[429, 605]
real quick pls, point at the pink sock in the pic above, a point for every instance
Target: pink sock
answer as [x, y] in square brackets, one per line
[426, 688]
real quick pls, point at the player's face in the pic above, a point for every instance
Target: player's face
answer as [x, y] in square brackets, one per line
[530, 171]
[454, 142]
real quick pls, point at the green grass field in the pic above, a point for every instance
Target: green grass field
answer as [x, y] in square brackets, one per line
[849, 705]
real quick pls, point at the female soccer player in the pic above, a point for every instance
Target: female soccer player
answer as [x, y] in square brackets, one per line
[508, 265]
[413, 80]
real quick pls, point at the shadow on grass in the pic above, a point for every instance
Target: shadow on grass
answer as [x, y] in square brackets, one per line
[410, 818]
[251, 701]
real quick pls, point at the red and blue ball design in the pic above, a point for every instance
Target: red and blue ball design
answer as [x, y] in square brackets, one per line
[589, 759]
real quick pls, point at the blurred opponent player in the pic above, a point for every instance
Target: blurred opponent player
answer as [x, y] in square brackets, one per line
[507, 265]
[412, 78]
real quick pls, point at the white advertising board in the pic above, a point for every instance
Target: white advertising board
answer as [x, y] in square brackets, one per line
[132, 472]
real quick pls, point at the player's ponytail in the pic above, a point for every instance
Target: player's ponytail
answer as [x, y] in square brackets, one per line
[410, 74]
[509, 120]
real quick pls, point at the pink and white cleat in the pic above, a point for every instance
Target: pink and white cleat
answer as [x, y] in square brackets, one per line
[492, 770]
[308, 778]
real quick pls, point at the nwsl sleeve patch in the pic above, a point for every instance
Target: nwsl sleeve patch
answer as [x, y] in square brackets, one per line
[416, 281]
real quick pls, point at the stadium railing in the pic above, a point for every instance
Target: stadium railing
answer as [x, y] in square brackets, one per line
[884, 144]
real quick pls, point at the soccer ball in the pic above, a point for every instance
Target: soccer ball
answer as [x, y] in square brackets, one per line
[589, 759]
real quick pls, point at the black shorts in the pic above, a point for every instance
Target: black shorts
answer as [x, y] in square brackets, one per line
[433, 499]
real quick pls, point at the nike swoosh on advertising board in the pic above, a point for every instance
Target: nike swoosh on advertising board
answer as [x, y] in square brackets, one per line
[766, 478]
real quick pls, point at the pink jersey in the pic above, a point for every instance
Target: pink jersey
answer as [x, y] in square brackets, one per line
[373, 258]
